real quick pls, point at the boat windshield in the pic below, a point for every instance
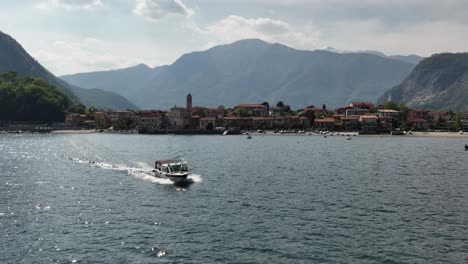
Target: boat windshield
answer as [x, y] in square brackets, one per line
[175, 167]
[179, 167]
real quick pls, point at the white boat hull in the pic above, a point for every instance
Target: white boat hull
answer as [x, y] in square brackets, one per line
[175, 177]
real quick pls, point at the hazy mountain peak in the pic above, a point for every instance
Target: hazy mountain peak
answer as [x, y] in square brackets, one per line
[253, 71]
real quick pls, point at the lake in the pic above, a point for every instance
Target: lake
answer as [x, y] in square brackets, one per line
[273, 199]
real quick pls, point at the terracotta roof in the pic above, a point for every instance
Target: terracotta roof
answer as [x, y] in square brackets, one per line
[387, 111]
[325, 120]
[207, 119]
[438, 113]
[417, 121]
[237, 118]
[369, 117]
[349, 118]
[263, 118]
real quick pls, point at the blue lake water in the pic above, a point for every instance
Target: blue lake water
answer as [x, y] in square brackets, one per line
[273, 199]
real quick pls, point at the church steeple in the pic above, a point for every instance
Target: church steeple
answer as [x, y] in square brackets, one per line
[189, 103]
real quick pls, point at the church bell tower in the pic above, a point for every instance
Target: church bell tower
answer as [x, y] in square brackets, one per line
[189, 103]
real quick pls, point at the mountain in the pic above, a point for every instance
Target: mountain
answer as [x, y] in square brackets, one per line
[439, 82]
[253, 71]
[414, 59]
[13, 57]
[118, 81]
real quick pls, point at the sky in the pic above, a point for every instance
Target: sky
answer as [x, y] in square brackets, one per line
[72, 36]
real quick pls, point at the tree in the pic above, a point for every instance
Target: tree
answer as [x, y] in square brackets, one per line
[267, 105]
[404, 111]
[392, 106]
[209, 126]
[79, 109]
[457, 123]
[30, 99]
[324, 107]
[240, 111]
[280, 104]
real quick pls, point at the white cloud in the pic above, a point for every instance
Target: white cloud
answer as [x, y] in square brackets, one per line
[234, 28]
[89, 54]
[70, 5]
[153, 10]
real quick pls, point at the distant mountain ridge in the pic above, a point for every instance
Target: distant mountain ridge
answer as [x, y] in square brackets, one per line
[253, 71]
[13, 57]
[414, 59]
[439, 82]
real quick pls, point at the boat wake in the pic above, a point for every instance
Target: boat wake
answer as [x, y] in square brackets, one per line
[143, 172]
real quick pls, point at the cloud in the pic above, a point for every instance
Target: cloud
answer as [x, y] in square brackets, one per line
[235, 27]
[89, 54]
[70, 5]
[153, 10]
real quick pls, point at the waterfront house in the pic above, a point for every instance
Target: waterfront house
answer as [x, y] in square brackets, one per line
[313, 112]
[356, 112]
[349, 123]
[119, 115]
[368, 123]
[75, 120]
[238, 122]
[151, 120]
[385, 124]
[263, 122]
[384, 113]
[418, 123]
[101, 119]
[417, 114]
[275, 111]
[362, 105]
[207, 123]
[324, 124]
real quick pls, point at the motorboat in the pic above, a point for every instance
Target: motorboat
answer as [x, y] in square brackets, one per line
[348, 138]
[466, 146]
[225, 132]
[249, 136]
[175, 169]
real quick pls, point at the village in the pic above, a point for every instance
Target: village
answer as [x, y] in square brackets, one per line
[362, 117]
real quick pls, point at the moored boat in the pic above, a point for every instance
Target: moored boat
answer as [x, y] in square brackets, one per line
[175, 170]
[466, 146]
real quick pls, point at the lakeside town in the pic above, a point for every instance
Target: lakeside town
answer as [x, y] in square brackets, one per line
[361, 117]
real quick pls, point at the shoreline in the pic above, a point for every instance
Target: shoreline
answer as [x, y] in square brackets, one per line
[73, 131]
[271, 133]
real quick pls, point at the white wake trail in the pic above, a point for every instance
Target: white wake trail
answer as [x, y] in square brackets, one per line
[143, 172]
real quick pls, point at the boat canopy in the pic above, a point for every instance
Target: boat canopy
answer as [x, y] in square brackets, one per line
[169, 161]
[171, 165]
